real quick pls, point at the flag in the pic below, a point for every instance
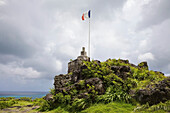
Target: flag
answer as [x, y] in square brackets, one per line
[86, 15]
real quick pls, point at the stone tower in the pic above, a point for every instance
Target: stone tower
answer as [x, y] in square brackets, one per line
[75, 64]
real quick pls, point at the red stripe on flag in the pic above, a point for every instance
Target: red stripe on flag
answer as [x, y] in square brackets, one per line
[83, 17]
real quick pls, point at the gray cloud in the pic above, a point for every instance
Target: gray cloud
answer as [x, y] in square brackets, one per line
[156, 20]
[38, 38]
[159, 45]
[154, 13]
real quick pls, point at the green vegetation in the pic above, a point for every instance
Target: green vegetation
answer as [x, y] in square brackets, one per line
[11, 101]
[7, 103]
[116, 98]
[159, 108]
[113, 107]
[117, 89]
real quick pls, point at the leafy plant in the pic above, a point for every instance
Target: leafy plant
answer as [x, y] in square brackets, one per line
[52, 91]
[6, 104]
[26, 99]
[82, 83]
[79, 104]
[161, 106]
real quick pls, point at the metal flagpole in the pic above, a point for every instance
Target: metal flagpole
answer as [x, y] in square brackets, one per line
[89, 39]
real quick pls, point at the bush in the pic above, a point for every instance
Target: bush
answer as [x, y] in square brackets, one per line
[114, 94]
[38, 101]
[117, 88]
[6, 104]
[26, 99]
[79, 104]
[52, 91]
[82, 83]
[62, 99]
[45, 106]
[6, 98]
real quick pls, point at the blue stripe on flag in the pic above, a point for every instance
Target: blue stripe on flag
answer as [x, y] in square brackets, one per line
[89, 14]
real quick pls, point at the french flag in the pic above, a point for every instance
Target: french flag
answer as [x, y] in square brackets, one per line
[86, 15]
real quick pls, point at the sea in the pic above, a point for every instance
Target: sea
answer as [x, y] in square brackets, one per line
[18, 94]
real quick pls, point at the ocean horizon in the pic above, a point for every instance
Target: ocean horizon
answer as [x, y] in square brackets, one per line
[18, 94]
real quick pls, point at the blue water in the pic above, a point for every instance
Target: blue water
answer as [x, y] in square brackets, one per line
[18, 94]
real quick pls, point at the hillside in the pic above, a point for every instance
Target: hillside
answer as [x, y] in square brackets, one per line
[94, 83]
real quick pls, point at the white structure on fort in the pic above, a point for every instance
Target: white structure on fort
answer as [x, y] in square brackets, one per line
[75, 64]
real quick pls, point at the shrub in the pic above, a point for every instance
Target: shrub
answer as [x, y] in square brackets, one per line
[38, 101]
[52, 91]
[114, 94]
[62, 99]
[6, 98]
[45, 106]
[79, 104]
[26, 99]
[82, 83]
[6, 104]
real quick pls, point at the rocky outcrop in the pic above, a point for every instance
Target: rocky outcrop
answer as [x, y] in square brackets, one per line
[75, 65]
[80, 85]
[48, 97]
[121, 71]
[153, 94]
[143, 65]
[97, 83]
[60, 81]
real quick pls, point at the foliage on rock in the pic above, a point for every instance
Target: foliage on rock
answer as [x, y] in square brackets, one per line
[104, 82]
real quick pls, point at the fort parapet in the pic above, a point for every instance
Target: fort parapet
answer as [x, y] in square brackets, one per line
[75, 64]
[74, 67]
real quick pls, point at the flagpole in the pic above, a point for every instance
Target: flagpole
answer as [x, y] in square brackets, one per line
[89, 40]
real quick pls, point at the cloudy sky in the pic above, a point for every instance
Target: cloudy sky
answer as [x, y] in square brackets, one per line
[39, 37]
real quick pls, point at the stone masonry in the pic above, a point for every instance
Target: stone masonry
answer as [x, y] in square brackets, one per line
[74, 68]
[75, 64]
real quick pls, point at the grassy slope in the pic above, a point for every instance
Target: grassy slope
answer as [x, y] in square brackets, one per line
[113, 107]
[20, 106]
[140, 76]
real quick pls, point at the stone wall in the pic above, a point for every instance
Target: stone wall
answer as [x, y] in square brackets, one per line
[61, 80]
[75, 64]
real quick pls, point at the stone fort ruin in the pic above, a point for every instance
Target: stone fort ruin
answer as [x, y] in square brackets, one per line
[74, 72]
[75, 64]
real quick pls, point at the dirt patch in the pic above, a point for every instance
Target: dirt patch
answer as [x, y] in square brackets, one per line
[20, 109]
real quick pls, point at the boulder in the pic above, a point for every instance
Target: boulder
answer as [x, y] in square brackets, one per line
[97, 83]
[48, 97]
[75, 75]
[143, 65]
[60, 81]
[124, 68]
[97, 61]
[83, 95]
[154, 94]
[121, 71]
